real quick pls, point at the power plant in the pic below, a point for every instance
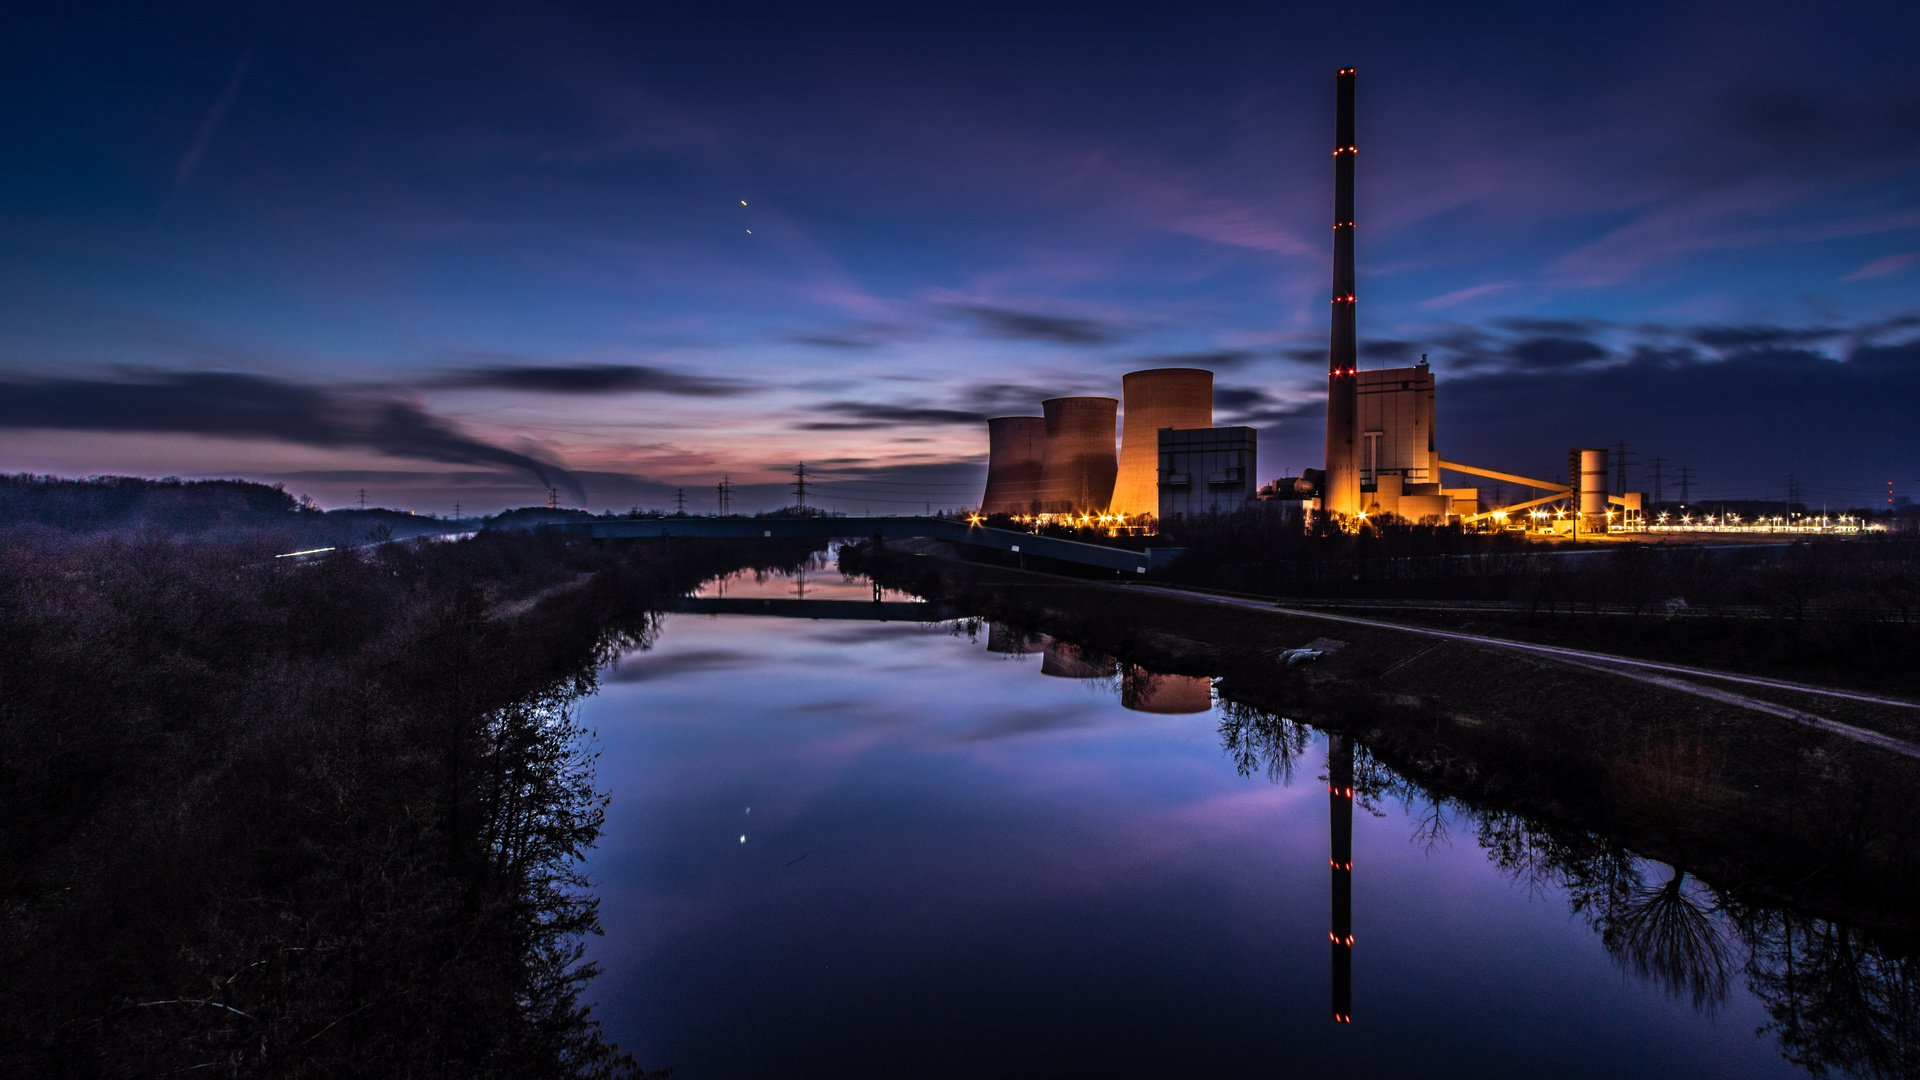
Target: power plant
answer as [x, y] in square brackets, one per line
[1382, 441]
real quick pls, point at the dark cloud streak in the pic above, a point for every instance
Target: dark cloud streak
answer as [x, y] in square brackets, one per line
[1032, 326]
[594, 379]
[240, 406]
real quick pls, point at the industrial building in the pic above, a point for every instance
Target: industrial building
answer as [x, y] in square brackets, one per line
[1151, 400]
[1078, 462]
[1206, 470]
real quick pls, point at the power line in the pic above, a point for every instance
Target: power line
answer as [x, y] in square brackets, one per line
[1620, 469]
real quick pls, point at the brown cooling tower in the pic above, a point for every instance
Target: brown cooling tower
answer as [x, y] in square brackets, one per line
[1171, 695]
[1064, 660]
[1155, 399]
[1014, 448]
[1078, 465]
[1011, 641]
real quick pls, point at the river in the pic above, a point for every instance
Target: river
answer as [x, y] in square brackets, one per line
[884, 849]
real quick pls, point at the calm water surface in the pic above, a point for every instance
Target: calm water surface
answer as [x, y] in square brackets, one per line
[842, 848]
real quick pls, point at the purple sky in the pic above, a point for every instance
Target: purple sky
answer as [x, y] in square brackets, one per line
[440, 254]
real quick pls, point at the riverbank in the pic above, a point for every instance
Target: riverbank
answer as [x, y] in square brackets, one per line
[320, 819]
[1767, 807]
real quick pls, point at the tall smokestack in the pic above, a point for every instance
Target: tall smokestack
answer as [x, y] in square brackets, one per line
[1342, 494]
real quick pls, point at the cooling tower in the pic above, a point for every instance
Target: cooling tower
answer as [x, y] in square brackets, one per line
[1155, 399]
[1014, 448]
[1342, 492]
[1063, 660]
[1171, 695]
[1078, 465]
[1011, 641]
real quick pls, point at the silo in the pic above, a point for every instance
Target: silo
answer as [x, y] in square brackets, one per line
[1078, 464]
[1151, 400]
[1590, 487]
[1014, 448]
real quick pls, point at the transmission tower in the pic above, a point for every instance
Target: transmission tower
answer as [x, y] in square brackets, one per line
[1659, 495]
[456, 510]
[553, 499]
[800, 486]
[1686, 479]
[725, 488]
[679, 500]
[1793, 492]
[1620, 468]
[363, 498]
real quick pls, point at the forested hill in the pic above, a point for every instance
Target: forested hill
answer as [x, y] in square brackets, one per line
[224, 508]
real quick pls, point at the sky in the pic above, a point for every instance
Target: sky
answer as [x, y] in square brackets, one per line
[461, 254]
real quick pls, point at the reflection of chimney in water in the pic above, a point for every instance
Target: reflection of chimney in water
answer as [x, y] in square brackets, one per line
[1340, 822]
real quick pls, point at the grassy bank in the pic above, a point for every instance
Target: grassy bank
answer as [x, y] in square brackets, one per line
[1738, 796]
[303, 820]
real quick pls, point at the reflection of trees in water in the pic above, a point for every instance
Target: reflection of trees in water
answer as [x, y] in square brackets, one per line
[1668, 935]
[1258, 740]
[1839, 1002]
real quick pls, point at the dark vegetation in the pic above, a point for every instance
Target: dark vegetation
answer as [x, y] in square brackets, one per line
[1846, 610]
[1791, 855]
[268, 819]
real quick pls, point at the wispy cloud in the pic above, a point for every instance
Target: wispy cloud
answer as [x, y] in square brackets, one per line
[1891, 264]
[1461, 296]
[210, 123]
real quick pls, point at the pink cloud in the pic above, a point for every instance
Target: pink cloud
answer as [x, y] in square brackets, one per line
[1460, 296]
[1883, 267]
